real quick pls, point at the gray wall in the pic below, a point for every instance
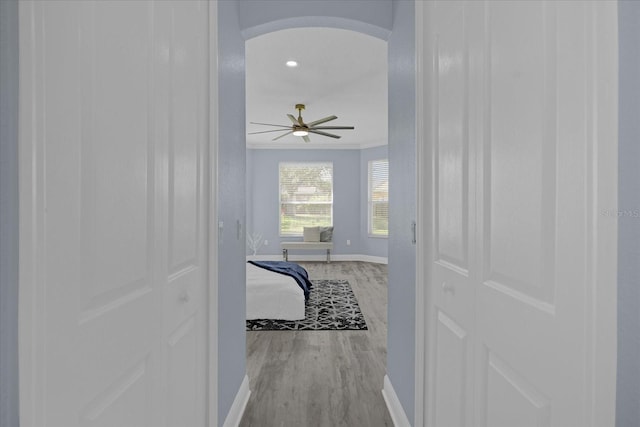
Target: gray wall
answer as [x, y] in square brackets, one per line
[402, 206]
[628, 387]
[231, 208]
[9, 408]
[373, 246]
[346, 209]
[348, 204]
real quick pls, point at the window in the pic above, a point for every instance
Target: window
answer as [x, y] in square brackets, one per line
[379, 198]
[306, 196]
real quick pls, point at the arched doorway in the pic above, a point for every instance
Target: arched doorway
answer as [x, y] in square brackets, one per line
[251, 19]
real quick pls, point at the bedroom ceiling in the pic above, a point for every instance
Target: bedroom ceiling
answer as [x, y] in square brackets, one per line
[339, 72]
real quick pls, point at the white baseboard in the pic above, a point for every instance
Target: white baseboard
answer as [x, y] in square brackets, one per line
[239, 405]
[264, 257]
[398, 416]
[373, 259]
[302, 257]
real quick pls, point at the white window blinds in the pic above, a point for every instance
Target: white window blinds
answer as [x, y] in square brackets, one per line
[306, 196]
[379, 197]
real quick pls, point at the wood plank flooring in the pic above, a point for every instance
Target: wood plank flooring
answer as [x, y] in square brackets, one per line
[323, 378]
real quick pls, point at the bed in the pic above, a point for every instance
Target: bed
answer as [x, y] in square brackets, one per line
[272, 295]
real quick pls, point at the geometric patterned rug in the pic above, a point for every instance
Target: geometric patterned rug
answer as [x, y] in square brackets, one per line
[331, 306]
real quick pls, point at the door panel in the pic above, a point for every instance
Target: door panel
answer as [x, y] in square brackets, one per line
[186, 136]
[184, 294]
[97, 264]
[115, 166]
[183, 397]
[512, 338]
[511, 399]
[115, 122]
[452, 200]
[451, 373]
[126, 398]
[542, 343]
[454, 292]
[520, 147]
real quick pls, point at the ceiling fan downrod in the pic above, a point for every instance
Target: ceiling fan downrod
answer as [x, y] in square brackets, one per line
[300, 107]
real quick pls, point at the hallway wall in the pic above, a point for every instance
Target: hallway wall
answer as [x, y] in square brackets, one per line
[402, 206]
[9, 378]
[628, 387]
[231, 208]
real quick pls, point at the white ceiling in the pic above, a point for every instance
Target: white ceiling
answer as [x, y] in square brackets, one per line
[340, 72]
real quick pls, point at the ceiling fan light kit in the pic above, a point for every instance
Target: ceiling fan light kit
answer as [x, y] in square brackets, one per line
[302, 129]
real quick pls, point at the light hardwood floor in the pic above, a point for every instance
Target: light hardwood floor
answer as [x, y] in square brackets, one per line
[323, 378]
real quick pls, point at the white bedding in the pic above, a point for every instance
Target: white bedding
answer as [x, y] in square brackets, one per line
[273, 295]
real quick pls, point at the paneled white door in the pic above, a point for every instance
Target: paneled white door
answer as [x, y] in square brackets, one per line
[114, 112]
[521, 305]
[453, 270]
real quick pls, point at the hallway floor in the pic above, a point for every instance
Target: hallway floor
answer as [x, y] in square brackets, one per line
[323, 378]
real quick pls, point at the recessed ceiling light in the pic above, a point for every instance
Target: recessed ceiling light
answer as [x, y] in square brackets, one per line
[292, 64]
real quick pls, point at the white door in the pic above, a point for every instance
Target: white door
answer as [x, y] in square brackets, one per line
[114, 123]
[521, 320]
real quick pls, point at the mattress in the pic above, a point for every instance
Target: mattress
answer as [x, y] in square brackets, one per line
[273, 295]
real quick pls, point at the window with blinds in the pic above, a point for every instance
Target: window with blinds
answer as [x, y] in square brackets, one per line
[306, 196]
[379, 198]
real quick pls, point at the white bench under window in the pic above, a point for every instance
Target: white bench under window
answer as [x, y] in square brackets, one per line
[313, 238]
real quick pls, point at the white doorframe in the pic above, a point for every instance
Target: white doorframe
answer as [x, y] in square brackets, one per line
[604, 176]
[211, 175]
[423, 214]
[603, 244]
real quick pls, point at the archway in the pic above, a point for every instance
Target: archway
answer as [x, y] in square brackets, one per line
[249, 19]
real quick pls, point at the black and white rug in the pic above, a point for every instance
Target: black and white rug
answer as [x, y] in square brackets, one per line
[331, 306]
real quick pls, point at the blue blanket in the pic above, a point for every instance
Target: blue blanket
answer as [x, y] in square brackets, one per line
[290, 269]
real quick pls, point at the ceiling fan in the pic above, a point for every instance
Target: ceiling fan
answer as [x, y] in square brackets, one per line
[300, 128]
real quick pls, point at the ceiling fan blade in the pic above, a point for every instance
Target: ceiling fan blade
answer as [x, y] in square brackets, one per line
[334, 127]
[269, 124]
[274, 130]
[283, 135]
[326, 119]
[306, 138]
[293, 119]
[324, 133]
